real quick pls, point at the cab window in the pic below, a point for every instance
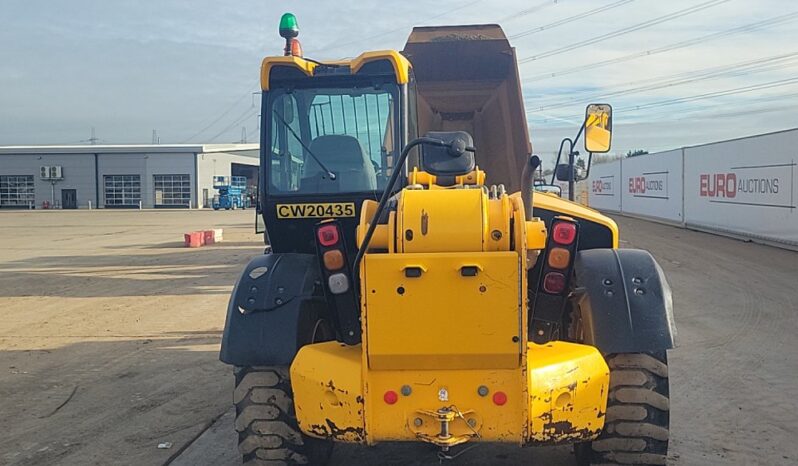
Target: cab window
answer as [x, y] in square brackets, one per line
[349, 132]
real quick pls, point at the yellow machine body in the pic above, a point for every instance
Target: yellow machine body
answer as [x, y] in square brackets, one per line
[445, 357]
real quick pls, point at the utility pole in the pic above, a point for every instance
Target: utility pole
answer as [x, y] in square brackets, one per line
[155, 138]
[93, 139]
[243, 135]
[253, 98]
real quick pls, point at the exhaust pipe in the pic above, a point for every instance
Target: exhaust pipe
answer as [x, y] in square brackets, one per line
[528, 184]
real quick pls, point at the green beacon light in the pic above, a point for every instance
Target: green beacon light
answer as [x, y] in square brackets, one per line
[288, 26]
[289, 30]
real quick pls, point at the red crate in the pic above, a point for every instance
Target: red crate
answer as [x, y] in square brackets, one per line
[194, 239]
[209, 237]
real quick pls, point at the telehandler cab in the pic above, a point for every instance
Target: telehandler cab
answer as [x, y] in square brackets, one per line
[416, 290]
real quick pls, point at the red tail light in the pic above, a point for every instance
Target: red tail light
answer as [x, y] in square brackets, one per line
[328, 235]
[390, 397]
[564, 233]
[500, 398]
[554, 283]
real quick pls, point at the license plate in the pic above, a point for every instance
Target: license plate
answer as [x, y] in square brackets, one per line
[316, 210]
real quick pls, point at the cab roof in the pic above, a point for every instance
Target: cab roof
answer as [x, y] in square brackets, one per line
[399, 64]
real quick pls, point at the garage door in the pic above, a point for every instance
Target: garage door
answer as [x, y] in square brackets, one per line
[16, 191]
[122, 190]
[172, 190]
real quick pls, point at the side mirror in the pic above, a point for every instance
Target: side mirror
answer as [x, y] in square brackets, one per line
[564, 172]
[598, 128]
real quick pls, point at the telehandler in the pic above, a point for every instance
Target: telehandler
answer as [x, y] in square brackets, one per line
[417, 289]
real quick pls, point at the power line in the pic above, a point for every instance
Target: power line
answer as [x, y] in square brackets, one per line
[570, 19]
[708, 95]
[528, 11]
[247, 113]
[217, 119]
[667, 48]
[361, 40]
[744, 112]
[516, 15]
[693, 73]
[688, 115]
[734, 70]
[626, 30]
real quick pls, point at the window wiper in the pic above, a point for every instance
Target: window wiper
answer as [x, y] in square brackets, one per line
[299, 140]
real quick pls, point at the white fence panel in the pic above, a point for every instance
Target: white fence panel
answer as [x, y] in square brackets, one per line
[652, 185]
[746, 186]
[604, 190]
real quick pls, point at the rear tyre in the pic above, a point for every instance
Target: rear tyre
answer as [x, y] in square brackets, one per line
[638, 410]
[268, 433]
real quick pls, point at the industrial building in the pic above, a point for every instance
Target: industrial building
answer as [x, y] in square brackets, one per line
[120, 176]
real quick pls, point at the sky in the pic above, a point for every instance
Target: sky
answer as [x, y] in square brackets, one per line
[677, 73]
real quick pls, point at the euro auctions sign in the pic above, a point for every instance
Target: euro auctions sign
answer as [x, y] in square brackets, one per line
[603, 192]
[604, 186]
[746, 186]
[650, 184]
[768, 185]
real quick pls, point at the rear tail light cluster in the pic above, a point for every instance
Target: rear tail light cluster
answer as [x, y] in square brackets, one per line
[559, 256]
[555, 275]
[337, 275]
[328, 236]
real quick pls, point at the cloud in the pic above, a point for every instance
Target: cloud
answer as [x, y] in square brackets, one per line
[127, 66]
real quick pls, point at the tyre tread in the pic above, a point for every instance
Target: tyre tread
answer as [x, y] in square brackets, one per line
[636, 429]
[268, 433]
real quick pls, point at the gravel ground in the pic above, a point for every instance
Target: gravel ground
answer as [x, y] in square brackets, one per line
[110, 332]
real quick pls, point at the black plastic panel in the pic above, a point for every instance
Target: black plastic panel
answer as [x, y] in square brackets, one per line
[627, 305]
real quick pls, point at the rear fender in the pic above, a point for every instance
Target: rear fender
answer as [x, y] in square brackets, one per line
[625, 301]
[273, 310]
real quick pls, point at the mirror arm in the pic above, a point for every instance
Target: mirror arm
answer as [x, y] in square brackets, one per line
[572, 144]
[581, 130]
[589, 163]
[559, 156]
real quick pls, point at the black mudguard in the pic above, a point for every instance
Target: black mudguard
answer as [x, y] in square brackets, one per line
[273, 310]
[625, 301]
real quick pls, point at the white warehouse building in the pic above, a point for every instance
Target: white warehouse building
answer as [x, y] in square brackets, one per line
[120, 176]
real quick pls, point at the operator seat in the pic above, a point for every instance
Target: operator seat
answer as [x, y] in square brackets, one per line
[344, 156]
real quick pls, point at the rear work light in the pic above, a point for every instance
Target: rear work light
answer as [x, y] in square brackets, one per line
[338, 283]
[559, 258]
[328, 235]
[554, 283]
[333, 260]
[564, 233]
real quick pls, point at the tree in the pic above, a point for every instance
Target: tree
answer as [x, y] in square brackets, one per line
[636, 152]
